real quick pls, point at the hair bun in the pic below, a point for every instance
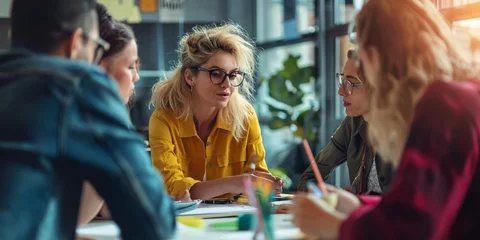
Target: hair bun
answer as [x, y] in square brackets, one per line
[103, 14]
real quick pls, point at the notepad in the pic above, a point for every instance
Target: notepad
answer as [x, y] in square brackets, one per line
[222, 210]
[101, 229]
[181, 207]
[283, 197]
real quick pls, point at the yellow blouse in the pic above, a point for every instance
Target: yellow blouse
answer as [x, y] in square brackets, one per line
[183, 159]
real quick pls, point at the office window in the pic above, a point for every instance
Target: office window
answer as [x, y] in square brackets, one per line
[463, 2]
[468, 32]
[453, 3]
[271, 61]
[274, 19]
[345, 10]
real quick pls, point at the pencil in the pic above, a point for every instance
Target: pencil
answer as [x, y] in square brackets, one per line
[318, 176]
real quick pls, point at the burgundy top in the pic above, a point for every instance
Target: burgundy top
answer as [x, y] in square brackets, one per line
[436, 191]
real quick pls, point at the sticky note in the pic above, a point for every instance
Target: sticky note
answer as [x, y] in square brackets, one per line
[192, 221]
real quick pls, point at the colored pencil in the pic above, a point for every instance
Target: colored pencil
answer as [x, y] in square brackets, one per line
[318, 176]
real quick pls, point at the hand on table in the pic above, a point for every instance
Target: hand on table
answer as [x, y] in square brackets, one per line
[184, 198]
[347, 201]
[315, 217]
[318, 219]
[277, 182]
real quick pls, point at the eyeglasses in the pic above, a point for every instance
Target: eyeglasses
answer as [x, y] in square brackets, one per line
[348, 86]
[218, 76]
[102, 47]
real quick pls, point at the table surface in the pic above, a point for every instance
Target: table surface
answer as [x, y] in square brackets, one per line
[283, 229]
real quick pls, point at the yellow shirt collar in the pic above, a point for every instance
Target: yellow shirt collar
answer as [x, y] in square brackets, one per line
[187, 127]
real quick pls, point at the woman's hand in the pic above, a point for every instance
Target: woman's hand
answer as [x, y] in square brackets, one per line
[184, 198]
[347, 201]
[316, 217]
[277, 182]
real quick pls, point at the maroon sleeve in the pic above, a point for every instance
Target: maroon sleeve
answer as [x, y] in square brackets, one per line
[435, 172]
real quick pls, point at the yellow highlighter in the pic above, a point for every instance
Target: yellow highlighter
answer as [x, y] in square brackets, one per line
[192, 221]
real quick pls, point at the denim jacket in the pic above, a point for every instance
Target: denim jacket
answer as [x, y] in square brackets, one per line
[63, 122]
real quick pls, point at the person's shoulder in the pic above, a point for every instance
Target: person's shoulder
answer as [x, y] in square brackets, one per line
[452, 103]
[166, 115]
[451, 96]
[250, 109]
[83, 70]
[252, 115]
[440, 89]
[59, 68]
[353, 124]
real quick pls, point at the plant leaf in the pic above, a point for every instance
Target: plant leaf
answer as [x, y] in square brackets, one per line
[302, 76]
[277, 123]
[279, 91]
[290, 65]
[274, 109]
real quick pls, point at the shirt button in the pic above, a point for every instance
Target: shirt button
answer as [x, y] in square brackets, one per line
[208, 144]
[382, 179]
[209, 165]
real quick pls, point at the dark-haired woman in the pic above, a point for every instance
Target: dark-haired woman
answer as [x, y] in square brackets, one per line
[121, 60]
[349, 143]
[121, 63]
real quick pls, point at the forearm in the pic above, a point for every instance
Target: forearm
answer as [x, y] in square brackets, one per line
[210, 189]
[306, 176]
[90, 204]
[105, 213]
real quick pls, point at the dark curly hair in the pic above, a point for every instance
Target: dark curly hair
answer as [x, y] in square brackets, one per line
[117, 34]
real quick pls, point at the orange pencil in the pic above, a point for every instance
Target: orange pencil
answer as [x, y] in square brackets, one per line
[318, 176]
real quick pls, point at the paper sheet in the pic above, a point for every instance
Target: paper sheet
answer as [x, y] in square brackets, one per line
[106, 230]
[219, 210]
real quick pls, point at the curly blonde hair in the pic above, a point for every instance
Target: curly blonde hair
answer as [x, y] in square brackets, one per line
[195, 49]
[416, 47]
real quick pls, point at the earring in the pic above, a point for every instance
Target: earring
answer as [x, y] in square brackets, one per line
[191, 88]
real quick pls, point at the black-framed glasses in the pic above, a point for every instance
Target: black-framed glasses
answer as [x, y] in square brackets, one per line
[102, 47]
[342, 81]
[218, 76]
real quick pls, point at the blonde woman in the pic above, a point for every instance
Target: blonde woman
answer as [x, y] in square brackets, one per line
[425, 119]
[204, 133]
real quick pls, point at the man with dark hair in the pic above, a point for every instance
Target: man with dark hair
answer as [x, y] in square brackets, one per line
[43, 30]
[64, 123]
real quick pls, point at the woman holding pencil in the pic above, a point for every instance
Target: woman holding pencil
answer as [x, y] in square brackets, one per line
[424, 119]
[204, 134]
[368, 175]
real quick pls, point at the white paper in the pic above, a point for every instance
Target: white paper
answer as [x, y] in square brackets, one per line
[104, 230]
[219, 210]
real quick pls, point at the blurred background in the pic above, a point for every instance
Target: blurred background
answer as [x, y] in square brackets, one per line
[301, 43]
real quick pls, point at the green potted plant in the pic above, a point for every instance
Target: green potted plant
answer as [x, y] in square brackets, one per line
[293, 104]
[292, 100]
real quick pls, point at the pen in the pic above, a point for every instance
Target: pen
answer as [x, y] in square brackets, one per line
[318, 176]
